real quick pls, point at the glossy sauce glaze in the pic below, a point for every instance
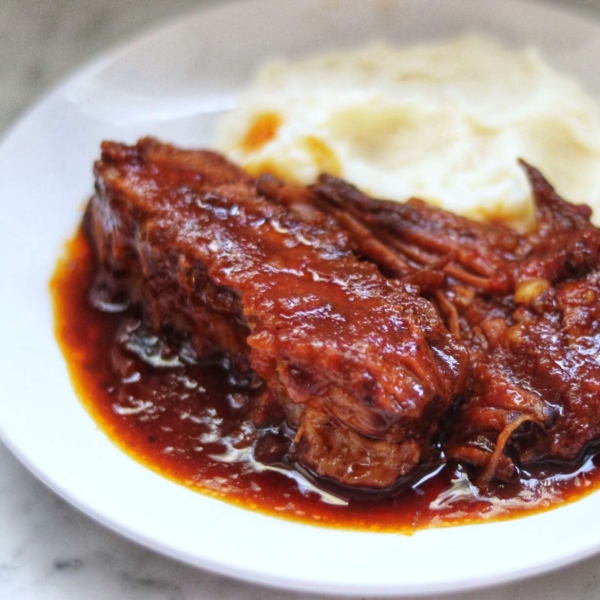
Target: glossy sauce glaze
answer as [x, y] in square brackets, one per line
[188, 422]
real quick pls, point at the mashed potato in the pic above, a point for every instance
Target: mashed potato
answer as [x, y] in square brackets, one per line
[444, 122]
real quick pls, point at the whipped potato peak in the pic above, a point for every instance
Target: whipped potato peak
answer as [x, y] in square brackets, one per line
[444, 122]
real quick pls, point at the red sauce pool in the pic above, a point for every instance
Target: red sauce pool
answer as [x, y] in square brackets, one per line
[188, 423]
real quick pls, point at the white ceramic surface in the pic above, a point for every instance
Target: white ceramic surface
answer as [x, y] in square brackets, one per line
[172, 84]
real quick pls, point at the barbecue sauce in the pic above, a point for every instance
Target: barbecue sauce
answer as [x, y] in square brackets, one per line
[189, 422]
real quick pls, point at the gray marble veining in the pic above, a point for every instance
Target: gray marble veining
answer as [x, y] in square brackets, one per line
[48, 550]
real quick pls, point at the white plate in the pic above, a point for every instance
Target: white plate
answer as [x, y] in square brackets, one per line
[173, 83]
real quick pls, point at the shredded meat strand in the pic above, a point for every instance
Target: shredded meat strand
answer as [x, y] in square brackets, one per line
[526, 308]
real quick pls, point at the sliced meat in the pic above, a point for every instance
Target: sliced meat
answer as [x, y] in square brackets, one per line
[278, 293]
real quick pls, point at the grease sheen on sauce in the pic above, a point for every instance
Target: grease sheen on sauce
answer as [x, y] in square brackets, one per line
[188, 423]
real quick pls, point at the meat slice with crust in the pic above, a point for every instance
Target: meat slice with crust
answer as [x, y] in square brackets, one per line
[362, 366]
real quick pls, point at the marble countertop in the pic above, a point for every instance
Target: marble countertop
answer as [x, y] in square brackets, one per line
[48, 550]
